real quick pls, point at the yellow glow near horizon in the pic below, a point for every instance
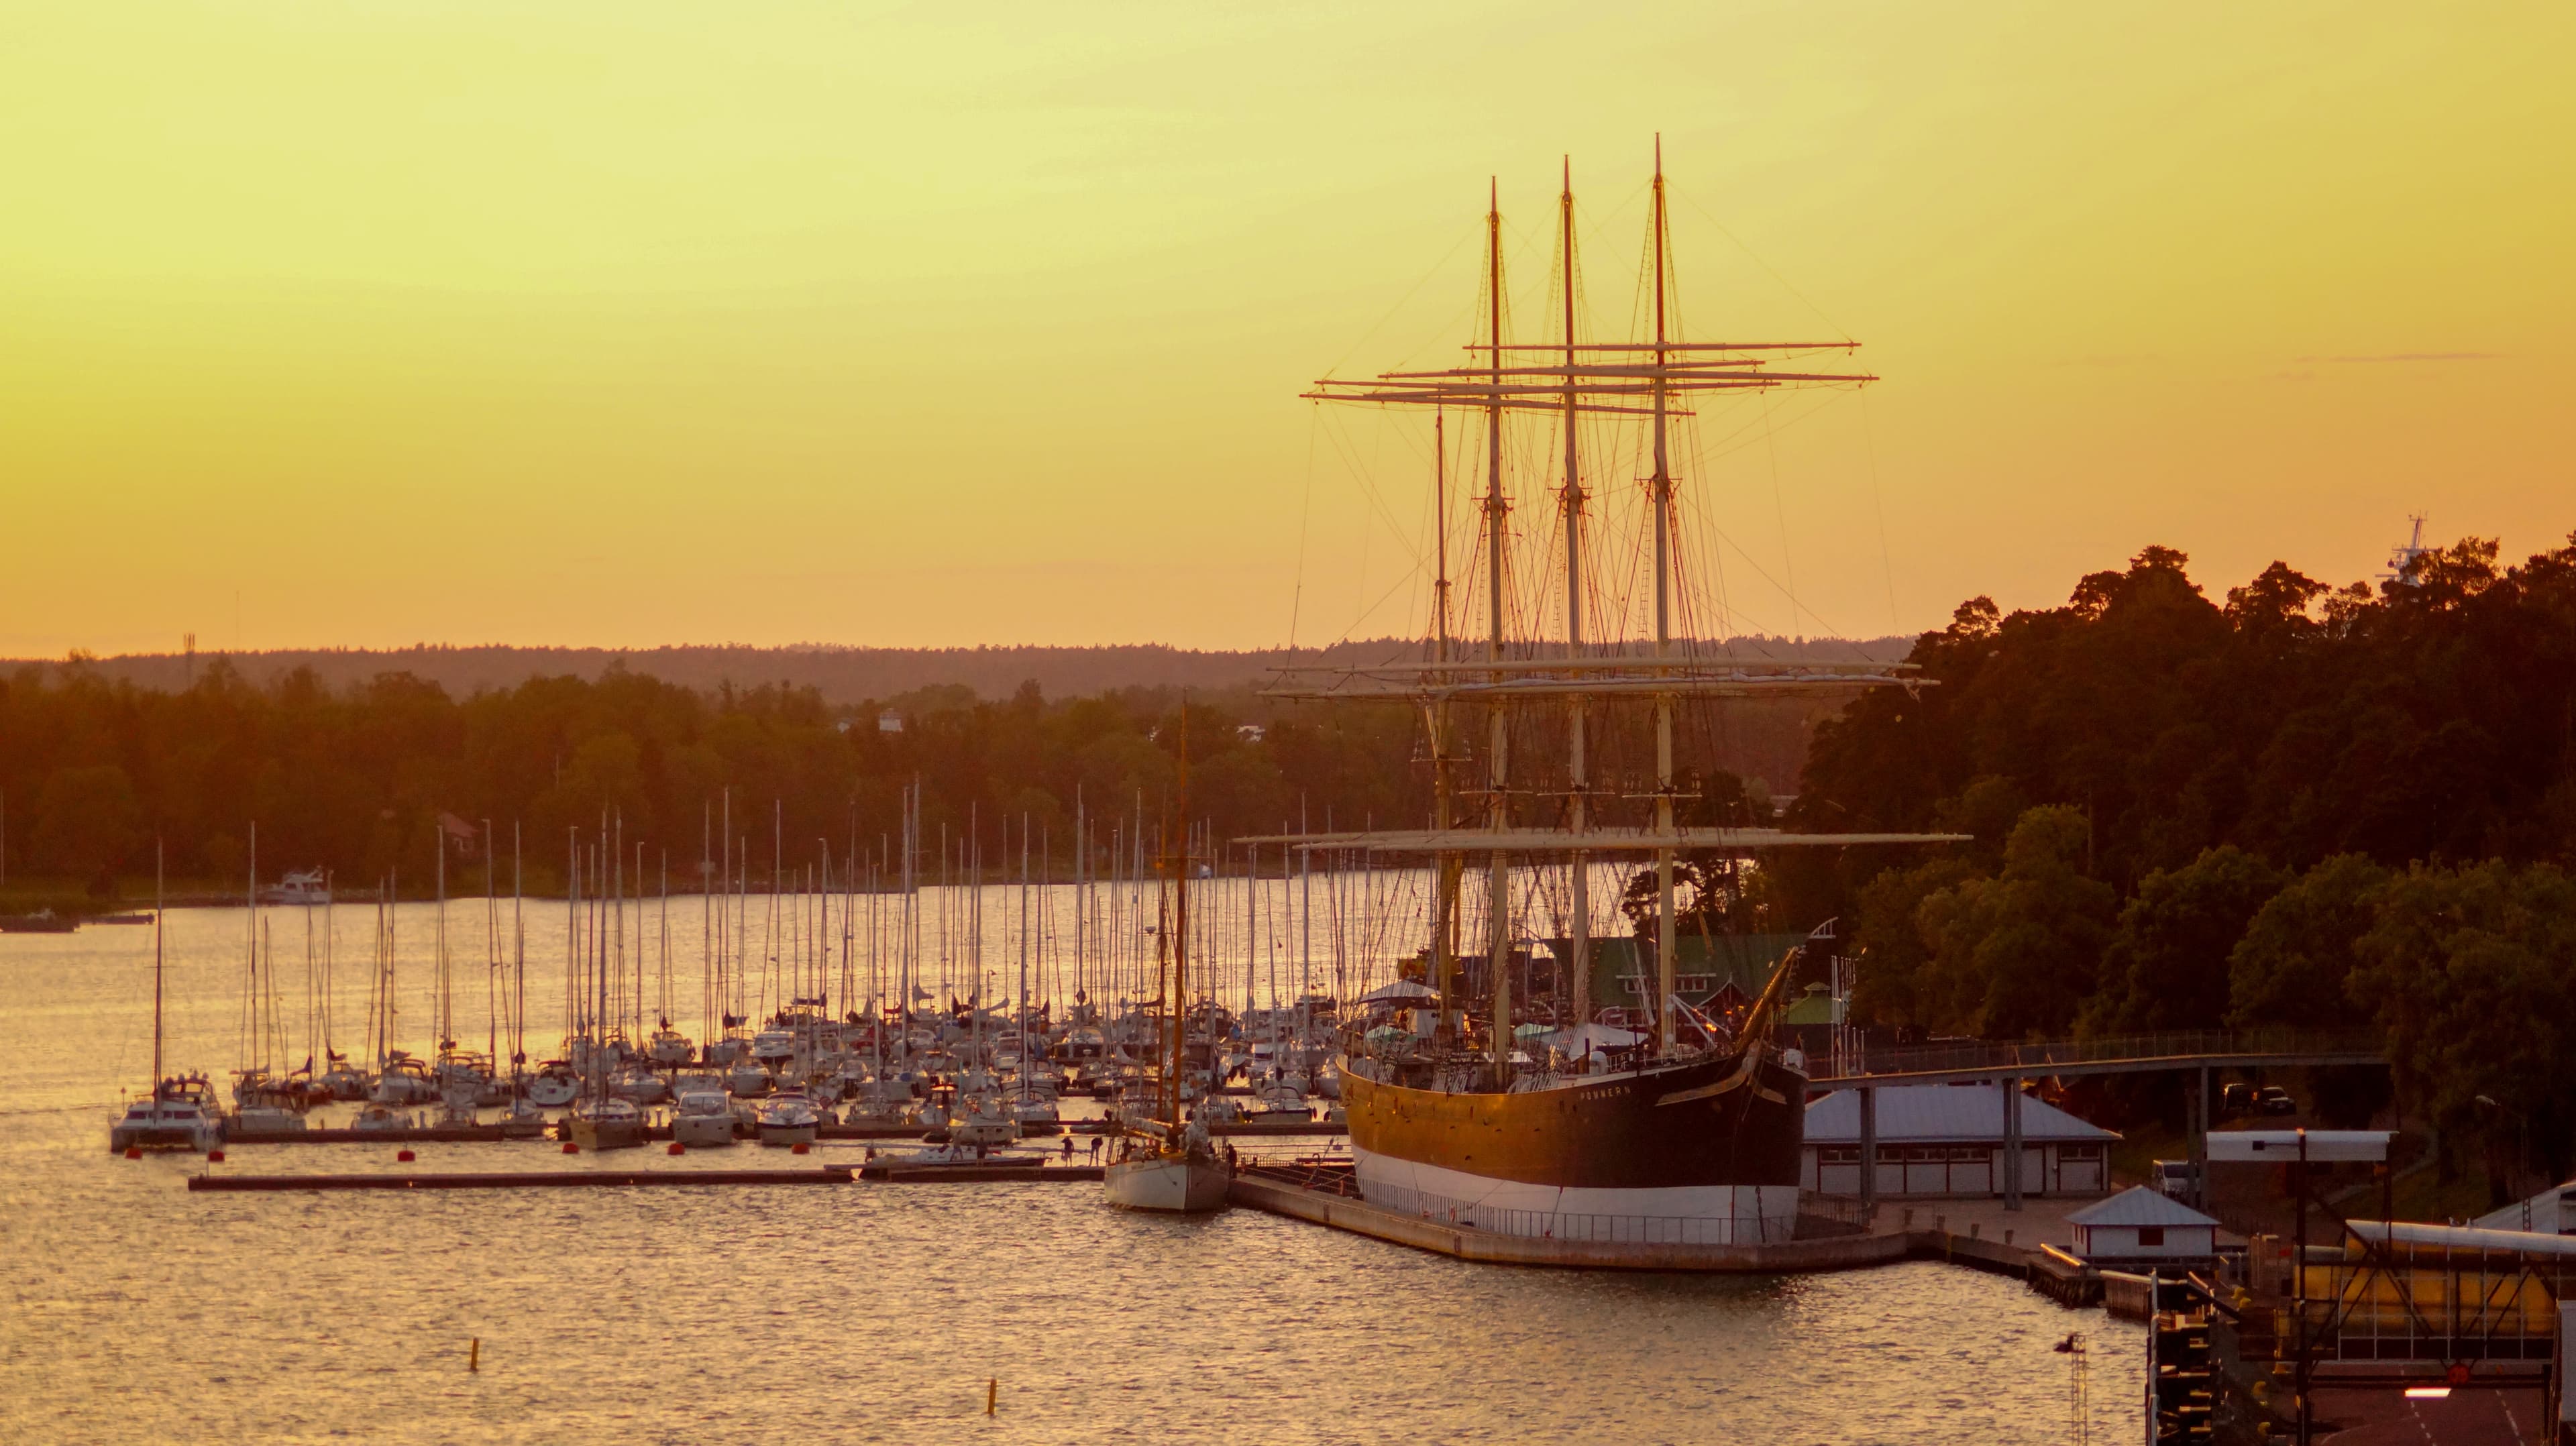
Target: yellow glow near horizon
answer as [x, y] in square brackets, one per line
[882, 324]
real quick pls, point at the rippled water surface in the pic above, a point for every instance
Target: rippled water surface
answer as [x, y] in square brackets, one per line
[133, 1311]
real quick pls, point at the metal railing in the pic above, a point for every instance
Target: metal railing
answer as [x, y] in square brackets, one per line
[1746, 1227]
[2355, 1046]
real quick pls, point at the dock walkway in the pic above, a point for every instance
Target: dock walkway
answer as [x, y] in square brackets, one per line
[1319, 1195]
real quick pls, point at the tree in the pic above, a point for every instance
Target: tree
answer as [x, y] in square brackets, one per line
[2295, 961]
[1889, 941]
[2167, 966]
[2465, 972]
[2016, 956]
[87, 820]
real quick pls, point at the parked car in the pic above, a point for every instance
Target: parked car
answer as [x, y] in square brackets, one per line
[2236, 1099]
[2173, 1178]
[2275, 1100]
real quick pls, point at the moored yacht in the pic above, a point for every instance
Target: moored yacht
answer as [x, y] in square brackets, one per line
[704, 1119]
[553, 1085]
[180, 1112]
[180, 1115]
[606, 1123]
[789, 1118]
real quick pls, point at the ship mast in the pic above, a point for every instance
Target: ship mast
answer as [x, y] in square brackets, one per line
[1498, 892]
[1581, 923]
[1663, 503]
[1571, 379]
[1444, 897]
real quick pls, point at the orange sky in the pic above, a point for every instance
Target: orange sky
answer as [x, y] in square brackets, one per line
[669, 322]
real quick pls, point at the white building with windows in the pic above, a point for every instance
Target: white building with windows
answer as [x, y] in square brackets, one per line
[1948, 1140]
[2140, 1226]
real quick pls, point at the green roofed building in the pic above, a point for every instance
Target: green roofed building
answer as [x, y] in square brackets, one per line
[1710, 970]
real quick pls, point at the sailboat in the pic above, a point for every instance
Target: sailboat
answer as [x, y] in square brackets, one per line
[1464, 1109]
[1164, 1164]
[599, 1119]
[180, 1114]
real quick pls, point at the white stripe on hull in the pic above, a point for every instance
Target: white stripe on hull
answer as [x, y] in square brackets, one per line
[1679, 1214]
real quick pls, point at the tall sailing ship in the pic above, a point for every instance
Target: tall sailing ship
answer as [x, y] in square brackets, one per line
[1690, 1129]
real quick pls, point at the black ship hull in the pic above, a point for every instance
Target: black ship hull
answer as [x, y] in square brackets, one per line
[1705, 1151]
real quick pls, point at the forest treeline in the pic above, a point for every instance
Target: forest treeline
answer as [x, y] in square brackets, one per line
[356, 780]
[2298, 806]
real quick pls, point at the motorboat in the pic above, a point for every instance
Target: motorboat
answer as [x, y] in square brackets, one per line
[772, 1046]
[955, 1155]
[179, 1115]
[304, 887]
[789, 1118]
[748, 1080]
[377, 1115]
[704, 1119]
[257, 1119]
[641, 1086]
[669, 1047]
[553, 1085]
[607, 1124]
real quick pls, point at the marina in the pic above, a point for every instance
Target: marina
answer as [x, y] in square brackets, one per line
[931, 1266]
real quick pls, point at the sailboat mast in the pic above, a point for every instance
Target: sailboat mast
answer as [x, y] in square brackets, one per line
[518, 954]
[1498, 893]
[1665, 932]
[157, 911]
[1580, 902]
[1180, 939]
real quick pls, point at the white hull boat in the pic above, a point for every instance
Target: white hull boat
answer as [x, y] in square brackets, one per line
[174, 1119]
[705, 1120]
[789, 1120]
[1184, 1184]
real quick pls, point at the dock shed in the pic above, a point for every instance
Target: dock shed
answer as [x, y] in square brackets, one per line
[1948, 1140]
[2140, 1226]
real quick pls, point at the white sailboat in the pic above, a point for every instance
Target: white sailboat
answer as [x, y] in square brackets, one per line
[180, 1113]
[1163, 1165]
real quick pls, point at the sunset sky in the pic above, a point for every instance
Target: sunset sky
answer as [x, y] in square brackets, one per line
[646, 322]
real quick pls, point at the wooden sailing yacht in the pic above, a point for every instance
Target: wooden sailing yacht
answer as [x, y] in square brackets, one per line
[1164, 1163]
[1694, 1132]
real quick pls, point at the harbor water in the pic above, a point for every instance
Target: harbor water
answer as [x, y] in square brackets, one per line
[134, 1311]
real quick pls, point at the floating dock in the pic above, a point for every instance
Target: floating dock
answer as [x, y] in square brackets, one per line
[901, 1174]
[893, 1172]
[521, 1179]
[471, 1134]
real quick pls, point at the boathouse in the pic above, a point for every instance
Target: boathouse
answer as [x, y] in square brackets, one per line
[1948, 1140]
[2140, 1226]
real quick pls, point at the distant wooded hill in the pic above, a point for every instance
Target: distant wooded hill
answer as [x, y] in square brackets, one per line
[843, 676]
